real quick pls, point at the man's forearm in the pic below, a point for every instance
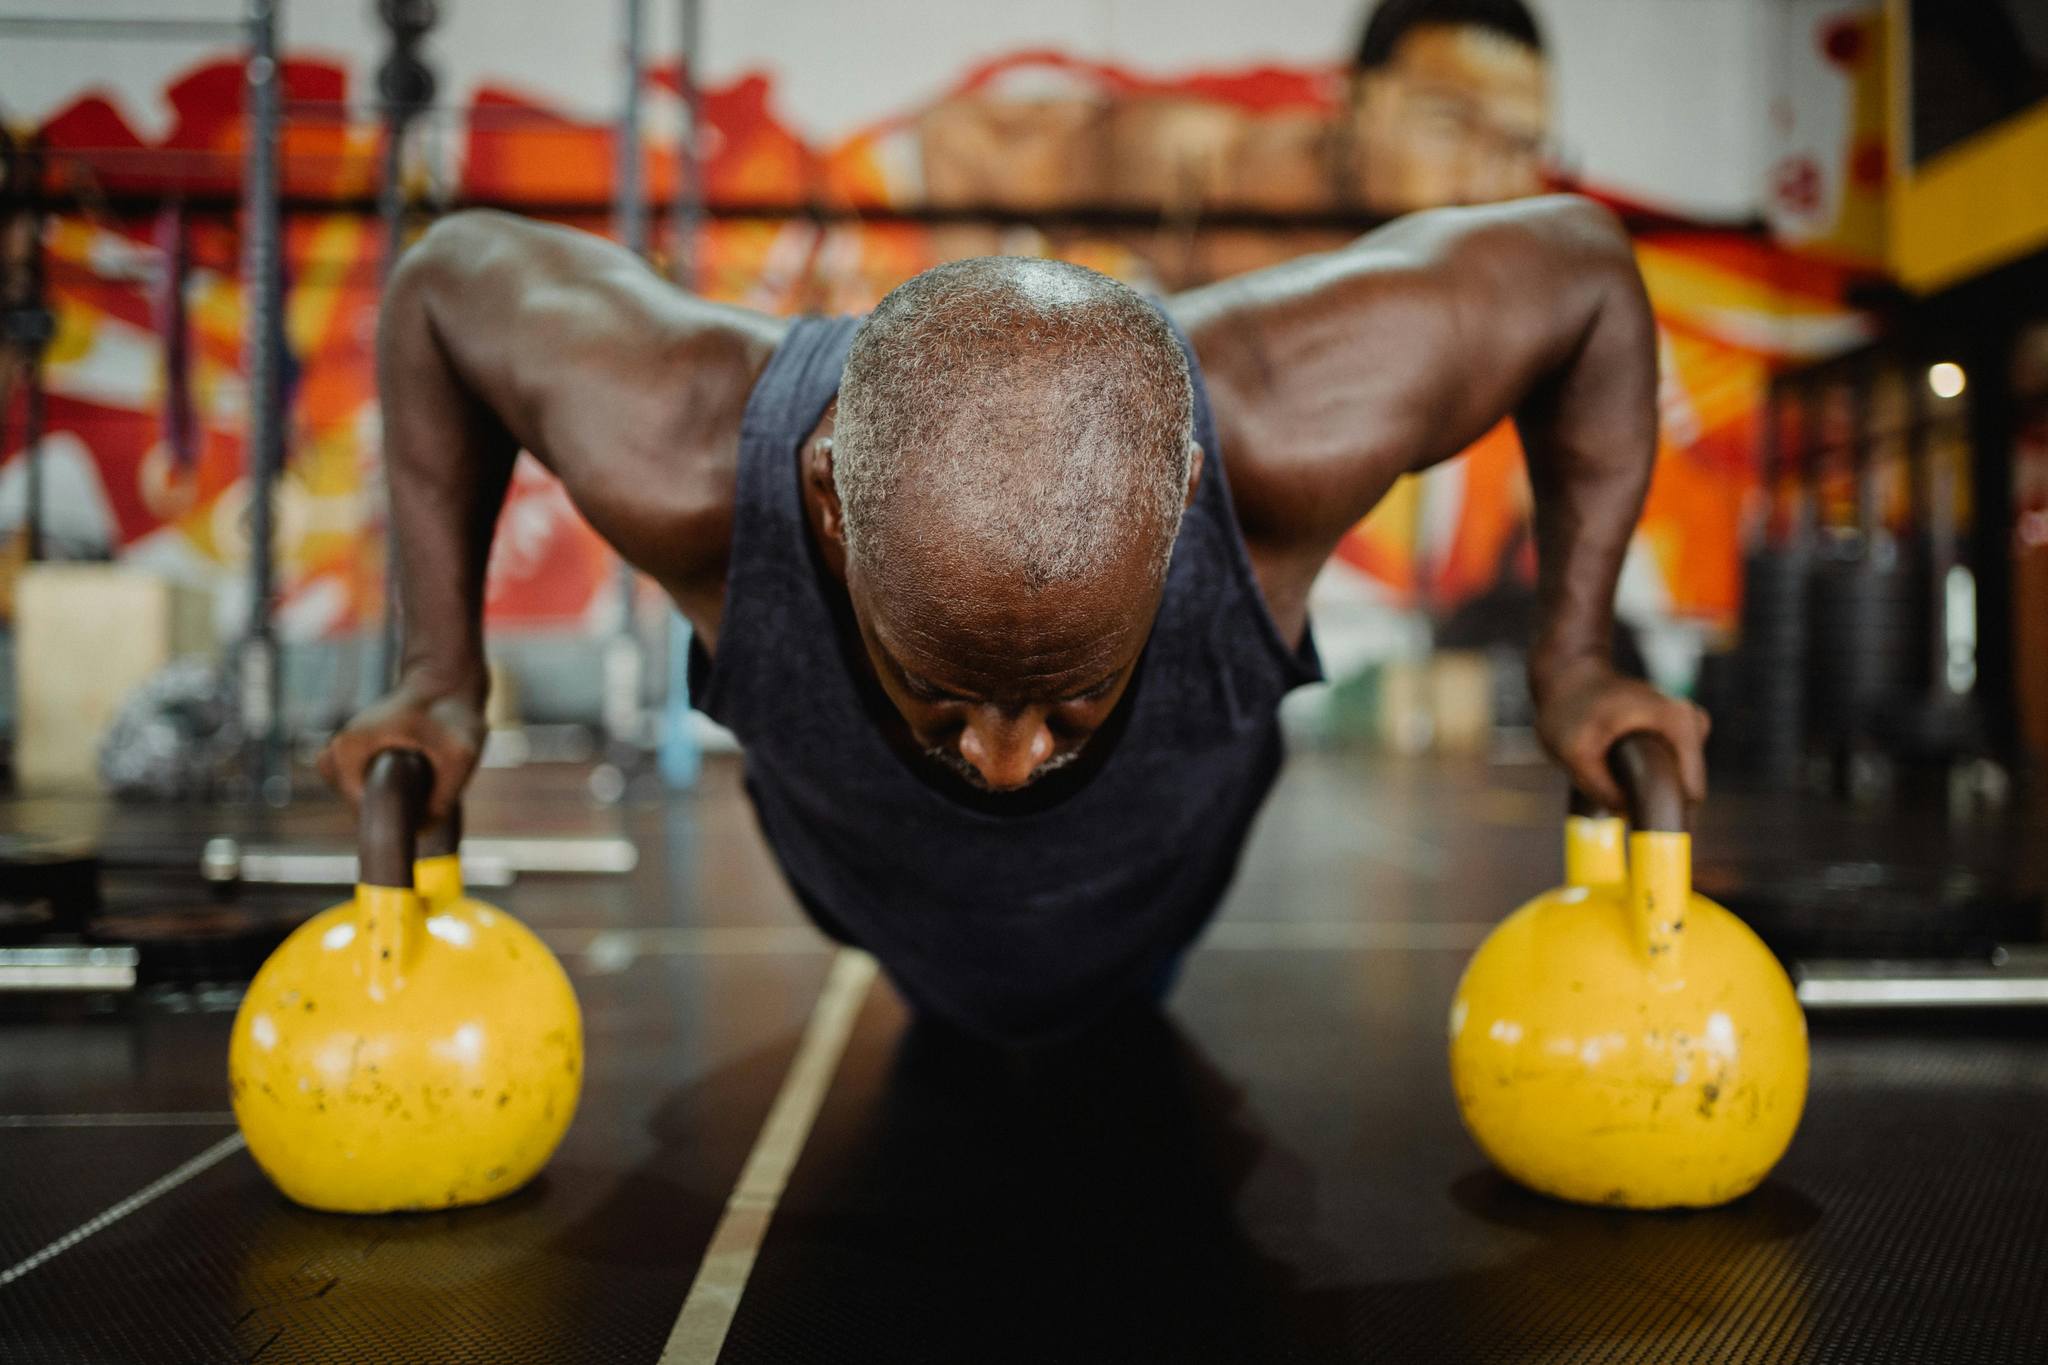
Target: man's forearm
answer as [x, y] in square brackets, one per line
[448, 460]
[1590, 431]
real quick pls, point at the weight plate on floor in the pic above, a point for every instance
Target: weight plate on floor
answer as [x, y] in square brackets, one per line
[1857, 909]
[25, 921]
[62, 875]
[202, 942]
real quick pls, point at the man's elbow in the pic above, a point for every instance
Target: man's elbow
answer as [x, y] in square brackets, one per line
[1585, 227]
[1596, 247]
[1561, 237]
[434, 281]
[454, 251]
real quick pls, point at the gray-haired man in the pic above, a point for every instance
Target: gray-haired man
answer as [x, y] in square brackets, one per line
[1000, 587]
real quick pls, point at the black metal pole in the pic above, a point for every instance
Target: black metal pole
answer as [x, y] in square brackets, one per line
[1863, 457]
[624, 659]
[10, 190]
[1808, 399]
[391, 193]
[30, 325]
[630, 207]
[391, 207]
[1771, 466]
[34, 419]
[263, 339]
[1932, 479]
[680, 760]
[689, 203]
[1994, 426]
[405, 87]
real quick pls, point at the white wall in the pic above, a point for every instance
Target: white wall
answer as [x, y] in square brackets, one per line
[1664, 100]
[1810, 117]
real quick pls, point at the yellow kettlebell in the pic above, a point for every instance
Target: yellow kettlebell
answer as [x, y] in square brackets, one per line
[1620, 1040]
[1595, 846]
[409, 1048]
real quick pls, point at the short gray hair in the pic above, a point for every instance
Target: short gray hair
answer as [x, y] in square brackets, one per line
[1045, 409]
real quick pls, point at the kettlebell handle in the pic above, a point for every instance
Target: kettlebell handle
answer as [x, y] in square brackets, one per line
[1646, 766]
[395, 791]
[443, 836]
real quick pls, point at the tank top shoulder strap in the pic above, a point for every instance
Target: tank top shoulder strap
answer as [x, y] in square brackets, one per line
[799, 379]
[767, 569]
[1297, 663]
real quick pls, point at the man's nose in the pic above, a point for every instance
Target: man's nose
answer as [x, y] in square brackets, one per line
[1005, 749]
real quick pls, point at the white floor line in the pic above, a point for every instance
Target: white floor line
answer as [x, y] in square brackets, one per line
[227, 1146]
[190, 1120]
[699, 1333]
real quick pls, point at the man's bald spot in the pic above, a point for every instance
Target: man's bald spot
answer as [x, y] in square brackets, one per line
[1016, 420]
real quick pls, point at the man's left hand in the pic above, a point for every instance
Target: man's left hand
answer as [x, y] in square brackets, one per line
[1582, 710]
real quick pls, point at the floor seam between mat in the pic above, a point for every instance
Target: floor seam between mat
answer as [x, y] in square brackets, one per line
[227, 1146]
[714, 1297]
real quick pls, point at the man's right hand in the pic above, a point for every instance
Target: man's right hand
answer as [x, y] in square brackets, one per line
[446, 727]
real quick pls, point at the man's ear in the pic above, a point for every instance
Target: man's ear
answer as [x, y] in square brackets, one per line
[822, 494]
[1194, 473]
[819, 487]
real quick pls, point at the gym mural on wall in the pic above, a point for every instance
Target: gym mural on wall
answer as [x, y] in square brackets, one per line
[1163, 181]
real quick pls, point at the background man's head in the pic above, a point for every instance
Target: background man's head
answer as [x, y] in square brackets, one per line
[1450, 105]
[1011, 456]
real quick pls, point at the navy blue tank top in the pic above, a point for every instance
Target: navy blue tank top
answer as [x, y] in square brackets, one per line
[1018, 919]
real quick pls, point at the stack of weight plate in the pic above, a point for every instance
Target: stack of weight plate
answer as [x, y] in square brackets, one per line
[1814, 908]
[1869, 645]
[47, 886]
[1762, 715]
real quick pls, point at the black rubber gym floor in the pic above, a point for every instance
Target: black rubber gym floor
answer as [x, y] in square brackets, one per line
[1273, 1170]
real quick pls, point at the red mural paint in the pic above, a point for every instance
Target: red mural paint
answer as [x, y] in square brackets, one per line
[1718, 296]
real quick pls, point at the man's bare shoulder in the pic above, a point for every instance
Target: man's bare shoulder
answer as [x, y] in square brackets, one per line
[537, 308]
[1330, 376]
[1510, 234]
[1359, 363]
[1284, 352]
[630, 389]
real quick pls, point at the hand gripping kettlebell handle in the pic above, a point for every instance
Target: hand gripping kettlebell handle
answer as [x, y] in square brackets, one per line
[443, 836]
[1659, 850]
[1646, 766]
[395, 791]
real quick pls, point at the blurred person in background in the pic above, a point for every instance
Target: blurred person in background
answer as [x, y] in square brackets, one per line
[1449, 104]
[1445, 102]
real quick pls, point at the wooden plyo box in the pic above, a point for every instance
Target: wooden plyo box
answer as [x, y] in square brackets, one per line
[86, 635]
[1442, 704]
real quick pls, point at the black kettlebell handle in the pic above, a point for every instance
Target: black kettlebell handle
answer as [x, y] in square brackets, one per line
[1646, 766]
[395, 791]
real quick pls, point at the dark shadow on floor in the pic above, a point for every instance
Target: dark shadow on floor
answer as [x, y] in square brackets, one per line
[959, 1203]
[1117, 1200]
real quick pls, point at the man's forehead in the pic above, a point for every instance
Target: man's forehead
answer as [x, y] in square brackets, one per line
[1057, 619]
[990, 636]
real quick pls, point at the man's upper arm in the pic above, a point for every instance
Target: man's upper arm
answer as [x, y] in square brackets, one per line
[1333, 375]
[628, 389]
